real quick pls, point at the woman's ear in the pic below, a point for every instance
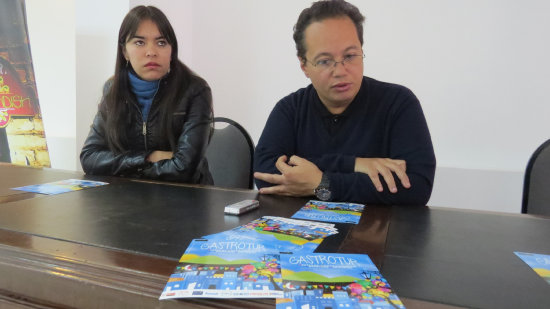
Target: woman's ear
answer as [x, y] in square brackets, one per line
[125, 53]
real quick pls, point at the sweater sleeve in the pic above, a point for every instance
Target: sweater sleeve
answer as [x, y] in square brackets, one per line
[277, 139]
[335, 163]
[409, 140]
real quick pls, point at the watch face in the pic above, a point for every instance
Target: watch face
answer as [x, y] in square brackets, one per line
[323, 194]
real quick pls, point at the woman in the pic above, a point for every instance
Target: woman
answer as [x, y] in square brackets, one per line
[155, 117]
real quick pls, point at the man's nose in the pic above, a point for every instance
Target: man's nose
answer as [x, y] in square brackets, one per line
[339, 68]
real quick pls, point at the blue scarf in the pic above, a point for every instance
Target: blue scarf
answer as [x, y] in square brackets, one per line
[144, 91]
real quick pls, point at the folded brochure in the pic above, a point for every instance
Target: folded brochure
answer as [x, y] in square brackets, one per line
[330, 212]
[281, 234]
[61, 186]
[334, 280]
[540, 263]
[238, 269]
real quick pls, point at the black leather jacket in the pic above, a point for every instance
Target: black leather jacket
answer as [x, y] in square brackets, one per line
[193, 119]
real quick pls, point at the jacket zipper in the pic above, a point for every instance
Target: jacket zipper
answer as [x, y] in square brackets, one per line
[144, 126]
[144, 132]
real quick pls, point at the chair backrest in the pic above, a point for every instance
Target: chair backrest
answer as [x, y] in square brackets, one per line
[536, 186]
[230, 155]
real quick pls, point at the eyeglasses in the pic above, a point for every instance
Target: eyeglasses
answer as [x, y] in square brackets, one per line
[327, 63]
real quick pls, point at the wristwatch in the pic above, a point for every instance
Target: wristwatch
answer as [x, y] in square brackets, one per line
[322, 192]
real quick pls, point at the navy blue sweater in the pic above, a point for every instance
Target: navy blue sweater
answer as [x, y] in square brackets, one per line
[383, 121]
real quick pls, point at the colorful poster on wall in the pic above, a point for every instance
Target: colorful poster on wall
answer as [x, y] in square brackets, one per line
[22, 137]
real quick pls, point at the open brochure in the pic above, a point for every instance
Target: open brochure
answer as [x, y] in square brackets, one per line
[333, 280]
[330, 212]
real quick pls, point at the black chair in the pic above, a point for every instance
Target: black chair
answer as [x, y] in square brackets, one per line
[230, 155]
[536, 186]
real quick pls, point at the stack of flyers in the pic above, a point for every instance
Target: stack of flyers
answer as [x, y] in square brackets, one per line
[226, 269]
[332, 280]
[243, 262]
[281, 234]
[61, 186]
[330, 212]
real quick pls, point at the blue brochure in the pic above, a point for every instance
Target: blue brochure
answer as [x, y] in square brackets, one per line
[226, 269]
[332, 280]
[330, 212]
[61, 186]
[540, 263]
[281, 234]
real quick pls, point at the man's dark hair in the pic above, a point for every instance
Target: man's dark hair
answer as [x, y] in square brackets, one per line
[322, 10]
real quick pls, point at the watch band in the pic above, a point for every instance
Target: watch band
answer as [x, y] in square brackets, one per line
[322, 191]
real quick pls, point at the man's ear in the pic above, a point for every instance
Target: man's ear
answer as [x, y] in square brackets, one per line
[303, 66]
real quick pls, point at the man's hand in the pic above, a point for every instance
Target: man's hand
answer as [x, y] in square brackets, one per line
[158, 155]
[383, 166]
[298, 177]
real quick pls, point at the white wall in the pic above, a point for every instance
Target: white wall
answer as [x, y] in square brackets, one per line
[97, 24]
[480, 69]
[72, 45]
[51, 27]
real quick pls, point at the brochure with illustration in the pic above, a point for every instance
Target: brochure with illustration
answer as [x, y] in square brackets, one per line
[540, 263]
[61, 186]
[281, 234]
[330, 212]
[226, 269]
[333, 280]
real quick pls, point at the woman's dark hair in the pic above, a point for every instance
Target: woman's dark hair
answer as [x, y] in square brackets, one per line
[322, 10]
[115, 107]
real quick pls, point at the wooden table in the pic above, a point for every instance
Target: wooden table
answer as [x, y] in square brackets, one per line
[115, 246]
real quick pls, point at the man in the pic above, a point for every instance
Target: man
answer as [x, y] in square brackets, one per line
[345, 137]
